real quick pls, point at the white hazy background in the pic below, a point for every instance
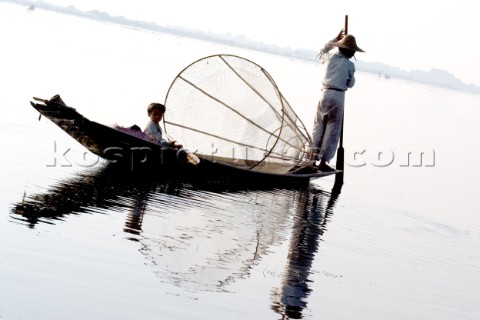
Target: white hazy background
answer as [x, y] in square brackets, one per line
[404, 241]
[406, 34]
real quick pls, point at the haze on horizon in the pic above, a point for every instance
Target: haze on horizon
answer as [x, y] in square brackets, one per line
[408, 35]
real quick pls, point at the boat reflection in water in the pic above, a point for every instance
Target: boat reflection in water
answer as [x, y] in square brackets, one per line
[196, 239]
[92, 191]
[310, 220]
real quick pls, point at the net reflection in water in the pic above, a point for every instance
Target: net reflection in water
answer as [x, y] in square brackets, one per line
[195, 239]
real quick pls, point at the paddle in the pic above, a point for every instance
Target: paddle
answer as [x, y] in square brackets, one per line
[340, 165]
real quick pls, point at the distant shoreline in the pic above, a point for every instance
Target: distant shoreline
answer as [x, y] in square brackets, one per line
[436, 77]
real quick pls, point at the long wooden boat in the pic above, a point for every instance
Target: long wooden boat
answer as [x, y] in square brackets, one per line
[138, 155]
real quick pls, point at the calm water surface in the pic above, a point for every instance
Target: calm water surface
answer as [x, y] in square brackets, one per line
[79, 240]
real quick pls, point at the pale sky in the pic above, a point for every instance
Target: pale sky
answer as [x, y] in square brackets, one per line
[408, 34]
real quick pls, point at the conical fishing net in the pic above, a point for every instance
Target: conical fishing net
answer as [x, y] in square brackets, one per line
[229, 109]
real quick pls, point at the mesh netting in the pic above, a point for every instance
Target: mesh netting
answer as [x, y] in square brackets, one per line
[227, 108]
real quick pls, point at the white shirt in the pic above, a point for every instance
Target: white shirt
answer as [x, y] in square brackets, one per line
[154, 130]
[339, 70]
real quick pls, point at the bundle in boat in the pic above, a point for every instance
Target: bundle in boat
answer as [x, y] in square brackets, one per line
[230, 110]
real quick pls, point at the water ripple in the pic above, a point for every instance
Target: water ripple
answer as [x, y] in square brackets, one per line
[193, 238]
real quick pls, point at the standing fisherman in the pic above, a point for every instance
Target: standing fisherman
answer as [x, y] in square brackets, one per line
[339, 76]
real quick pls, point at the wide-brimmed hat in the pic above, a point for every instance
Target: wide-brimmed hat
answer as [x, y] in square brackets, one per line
[348, 42]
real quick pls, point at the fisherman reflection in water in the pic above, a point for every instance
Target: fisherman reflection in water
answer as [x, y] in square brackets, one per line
[134, 221]
[312, 215]
[339, 76]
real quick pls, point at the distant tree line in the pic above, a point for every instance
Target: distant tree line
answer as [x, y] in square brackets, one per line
[435, 77]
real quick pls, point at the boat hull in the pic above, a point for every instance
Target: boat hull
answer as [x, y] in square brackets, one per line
[139, 156]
